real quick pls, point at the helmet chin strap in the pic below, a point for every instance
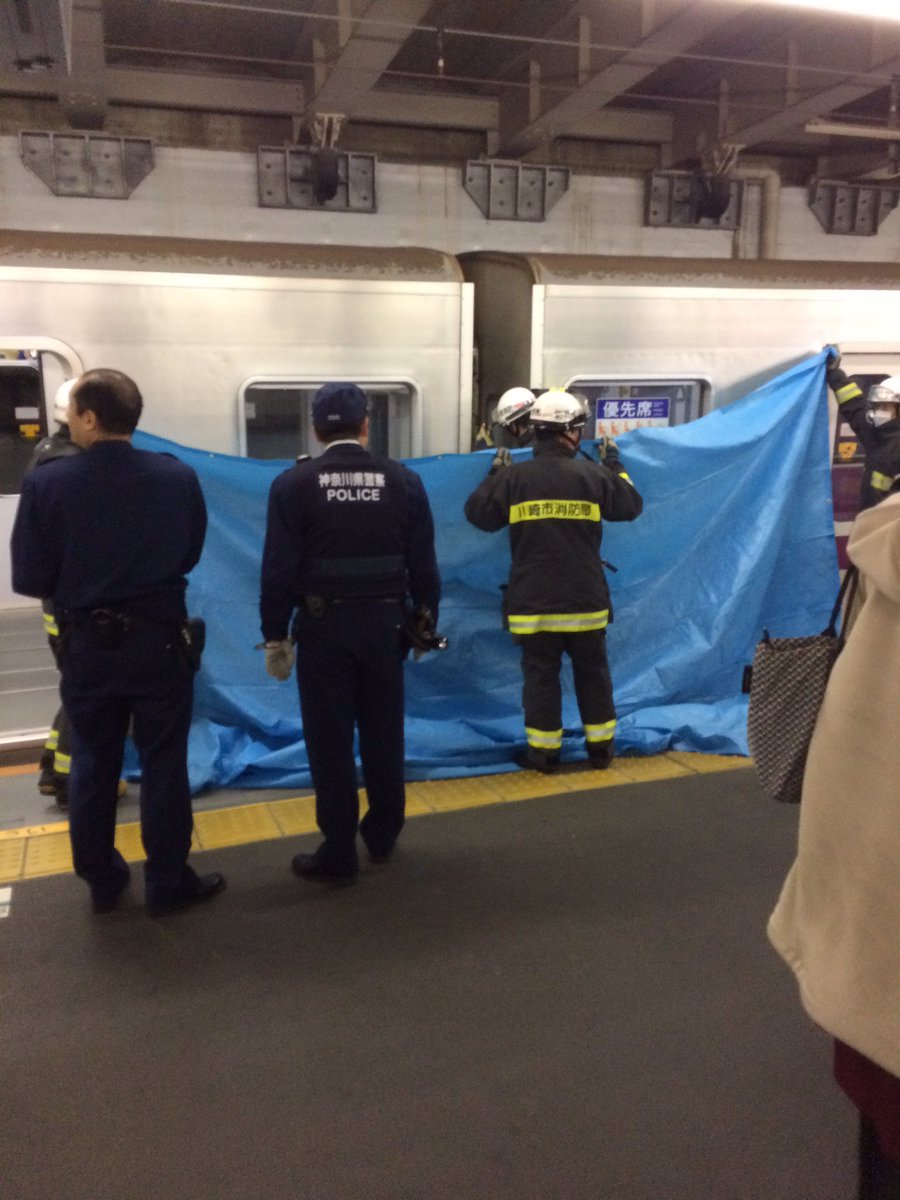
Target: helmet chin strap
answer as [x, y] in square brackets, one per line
[573, 437]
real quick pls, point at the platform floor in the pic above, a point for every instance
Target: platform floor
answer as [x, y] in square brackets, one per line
[567, 997]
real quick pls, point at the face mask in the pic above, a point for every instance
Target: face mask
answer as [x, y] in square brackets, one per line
[880, 414]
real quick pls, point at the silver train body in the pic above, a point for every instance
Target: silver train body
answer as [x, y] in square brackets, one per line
[227, 341]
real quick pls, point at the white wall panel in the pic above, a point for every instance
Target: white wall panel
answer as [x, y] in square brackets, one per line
[213, 194]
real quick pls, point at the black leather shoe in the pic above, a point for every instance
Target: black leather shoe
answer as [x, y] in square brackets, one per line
[536, 760]
[310, 866]
[205, 887]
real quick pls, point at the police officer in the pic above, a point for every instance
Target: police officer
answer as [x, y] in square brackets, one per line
[109, 535]
[56, 759]
[348, 538]
[557, 600]
[874, 416]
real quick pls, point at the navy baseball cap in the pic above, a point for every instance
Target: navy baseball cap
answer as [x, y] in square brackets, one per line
[337, 404]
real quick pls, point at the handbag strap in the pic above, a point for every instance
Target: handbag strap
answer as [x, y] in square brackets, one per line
[846, 592]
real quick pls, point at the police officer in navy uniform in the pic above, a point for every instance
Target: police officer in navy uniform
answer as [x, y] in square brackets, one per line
[109, 536]
[349, 541]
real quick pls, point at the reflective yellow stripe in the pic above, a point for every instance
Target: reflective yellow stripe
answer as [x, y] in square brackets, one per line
[881, 483]
[555, 510]
[599, 733]
[848, 392]
[50, 626]
[624, 475]
[544, 739]
[62, 763]
[52, 740]
[558, 622]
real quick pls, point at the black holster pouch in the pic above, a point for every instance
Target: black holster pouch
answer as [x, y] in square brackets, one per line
[316, 606]
[106, 628]
[191, 641]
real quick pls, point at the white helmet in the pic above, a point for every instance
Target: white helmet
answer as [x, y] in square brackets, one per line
[61, 402]
[514, 405]
[883, 401]
[558, 410]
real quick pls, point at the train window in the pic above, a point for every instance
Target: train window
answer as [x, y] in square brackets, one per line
[22, 419]
[620, 405]
[276, 418]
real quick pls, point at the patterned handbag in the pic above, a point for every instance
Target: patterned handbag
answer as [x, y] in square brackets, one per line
[787, 685]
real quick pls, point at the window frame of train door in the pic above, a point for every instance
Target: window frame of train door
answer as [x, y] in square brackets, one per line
[593, 383]
[55, 362]
[309, 384]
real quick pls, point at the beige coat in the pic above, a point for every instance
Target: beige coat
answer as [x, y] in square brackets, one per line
[837, 922]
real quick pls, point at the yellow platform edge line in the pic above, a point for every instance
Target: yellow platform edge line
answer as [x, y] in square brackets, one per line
[38, 851]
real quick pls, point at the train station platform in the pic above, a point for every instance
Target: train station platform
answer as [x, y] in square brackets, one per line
[559, 989]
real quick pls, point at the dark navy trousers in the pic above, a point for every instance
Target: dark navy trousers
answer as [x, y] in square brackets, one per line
[144, 681]
[350, 676]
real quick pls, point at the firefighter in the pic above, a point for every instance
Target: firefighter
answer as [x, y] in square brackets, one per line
[557, 601]
[874, 416]
[511, 424]
[56, 759]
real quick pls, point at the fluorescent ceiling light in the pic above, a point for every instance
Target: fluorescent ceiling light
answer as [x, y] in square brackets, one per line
[888, 9]
[843, 129]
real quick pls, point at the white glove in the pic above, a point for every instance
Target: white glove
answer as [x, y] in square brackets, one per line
[608, 447]
[503, 458]
[280, 659]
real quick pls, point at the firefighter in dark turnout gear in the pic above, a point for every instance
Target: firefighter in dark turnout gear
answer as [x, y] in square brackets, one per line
[874, 416]
[109, 536]
[557, 600]
[56, 759]
[349, 537]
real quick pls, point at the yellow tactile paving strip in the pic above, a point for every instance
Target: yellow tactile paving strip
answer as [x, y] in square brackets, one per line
[41, 850]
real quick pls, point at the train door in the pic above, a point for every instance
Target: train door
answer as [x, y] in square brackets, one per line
[275, 417]
[867, 365]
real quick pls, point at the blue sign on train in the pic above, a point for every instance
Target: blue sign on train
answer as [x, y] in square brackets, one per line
[615, 417]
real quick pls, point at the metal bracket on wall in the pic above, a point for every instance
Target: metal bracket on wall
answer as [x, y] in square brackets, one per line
[673, 201]
[287, 178]
[854, 208]
[87, 164]
[511, 191]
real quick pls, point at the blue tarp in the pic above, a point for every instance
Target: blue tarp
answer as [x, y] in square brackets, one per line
[736, 535]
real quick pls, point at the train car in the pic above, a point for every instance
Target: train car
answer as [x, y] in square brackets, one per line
[229, 341]
[661, 341]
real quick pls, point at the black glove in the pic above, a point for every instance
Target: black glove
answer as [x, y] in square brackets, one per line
[836, 378]
[419, 634]
[503, 458]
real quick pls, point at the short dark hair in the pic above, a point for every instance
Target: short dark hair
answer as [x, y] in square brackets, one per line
[112, 397]
[332, 433]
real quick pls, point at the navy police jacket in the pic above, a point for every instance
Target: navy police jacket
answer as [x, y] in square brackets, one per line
[113, 527]
[346, 525]
[554, 504]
